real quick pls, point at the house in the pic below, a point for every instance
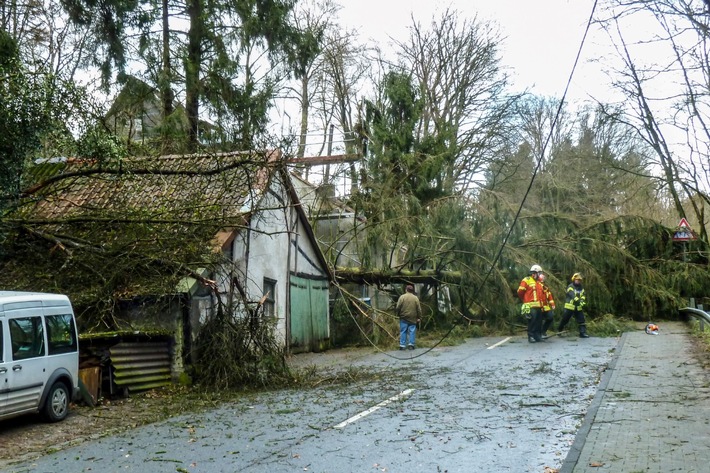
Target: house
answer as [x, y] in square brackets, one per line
[242, 205]
[136, 113]
[136, 116]
[342, 235]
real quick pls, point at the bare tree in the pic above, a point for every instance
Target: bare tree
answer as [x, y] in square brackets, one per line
[457, 69]
[316, 15]
[329, 93]
[668, 102]
[45, 37]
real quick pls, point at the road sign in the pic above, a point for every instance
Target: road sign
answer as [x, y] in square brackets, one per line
[683, 231]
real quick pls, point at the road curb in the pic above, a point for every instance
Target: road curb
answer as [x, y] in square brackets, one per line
[580, 439]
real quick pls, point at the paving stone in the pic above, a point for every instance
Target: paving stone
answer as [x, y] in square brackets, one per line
[651, 412]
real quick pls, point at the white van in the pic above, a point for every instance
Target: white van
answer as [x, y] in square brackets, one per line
[39, 355]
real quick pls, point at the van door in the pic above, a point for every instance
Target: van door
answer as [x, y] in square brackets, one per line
[3, 370]
[26, 373]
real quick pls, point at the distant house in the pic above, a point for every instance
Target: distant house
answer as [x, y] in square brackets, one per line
[136, 115]
[342, 235]
[339, 230]
[267, 246]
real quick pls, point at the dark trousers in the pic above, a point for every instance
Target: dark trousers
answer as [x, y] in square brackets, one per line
[578, 317]
[547, 318]
[535, 324]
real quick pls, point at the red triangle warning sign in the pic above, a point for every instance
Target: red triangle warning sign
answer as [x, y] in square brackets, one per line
[683, 231]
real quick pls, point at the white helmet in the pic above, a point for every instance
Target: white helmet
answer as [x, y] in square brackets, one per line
[535, 269]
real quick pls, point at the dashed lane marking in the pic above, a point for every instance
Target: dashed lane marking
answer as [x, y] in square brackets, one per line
[499, 343]
[359, 416]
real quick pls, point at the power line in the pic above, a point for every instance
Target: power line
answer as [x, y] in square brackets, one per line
[547, 142]
[532, 180]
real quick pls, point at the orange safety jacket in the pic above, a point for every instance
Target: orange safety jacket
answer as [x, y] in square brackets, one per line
[548, 302]
[530, 292]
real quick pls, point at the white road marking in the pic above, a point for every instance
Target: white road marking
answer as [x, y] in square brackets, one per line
[359, 416]
[499, 343]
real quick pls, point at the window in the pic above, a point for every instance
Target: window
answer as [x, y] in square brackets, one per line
[27, 337]
[2, 337]
[269, 297]
[61, 335]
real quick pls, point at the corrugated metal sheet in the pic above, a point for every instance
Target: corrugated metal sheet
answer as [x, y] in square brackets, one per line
[140, 366]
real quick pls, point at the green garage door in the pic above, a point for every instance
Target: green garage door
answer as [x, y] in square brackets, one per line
[309, 314]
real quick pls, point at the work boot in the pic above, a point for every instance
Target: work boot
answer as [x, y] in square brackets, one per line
[532, 340]
[411, 347]
[583, 335]
[583, 331]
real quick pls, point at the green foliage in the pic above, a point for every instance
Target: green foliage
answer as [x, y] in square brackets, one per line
[702, 332]
[223, 41]
[344, 325]
[453, 336]
[354, 322]
[101, 146]
[609, 325]
[134, 259]
[107, 24]
[24, 116]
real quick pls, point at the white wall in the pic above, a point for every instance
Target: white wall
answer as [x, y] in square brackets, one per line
[267, 250]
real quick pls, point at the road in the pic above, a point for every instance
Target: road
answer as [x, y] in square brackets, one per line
[490, 404]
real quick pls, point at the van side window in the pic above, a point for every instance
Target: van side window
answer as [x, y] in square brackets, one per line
[2, 339]
[61, 336]
[27, 337]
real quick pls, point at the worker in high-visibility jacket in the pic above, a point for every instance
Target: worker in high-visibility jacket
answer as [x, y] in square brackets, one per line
[531, 295]
[575, 302]
[548, 305]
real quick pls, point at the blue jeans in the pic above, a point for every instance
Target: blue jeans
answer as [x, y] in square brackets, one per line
[406, 328]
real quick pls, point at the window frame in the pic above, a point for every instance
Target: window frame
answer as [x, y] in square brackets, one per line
[269, 291]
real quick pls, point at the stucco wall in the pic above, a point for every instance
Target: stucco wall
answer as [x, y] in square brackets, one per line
[269, 250]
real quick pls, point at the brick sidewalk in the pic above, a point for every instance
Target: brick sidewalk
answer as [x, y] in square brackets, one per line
[651, 412]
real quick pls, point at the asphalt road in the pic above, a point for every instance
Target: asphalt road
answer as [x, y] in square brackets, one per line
[491, 404]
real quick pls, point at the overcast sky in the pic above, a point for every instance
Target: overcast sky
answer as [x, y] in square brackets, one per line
[541, 38]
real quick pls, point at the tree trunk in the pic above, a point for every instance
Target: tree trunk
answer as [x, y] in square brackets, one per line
[166, 90]
[305, 103]
[377, 276]
[192, 72]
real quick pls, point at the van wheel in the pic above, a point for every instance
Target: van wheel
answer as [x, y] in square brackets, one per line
[56, 407]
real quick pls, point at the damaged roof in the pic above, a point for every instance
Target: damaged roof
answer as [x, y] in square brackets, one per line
[170, 188]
